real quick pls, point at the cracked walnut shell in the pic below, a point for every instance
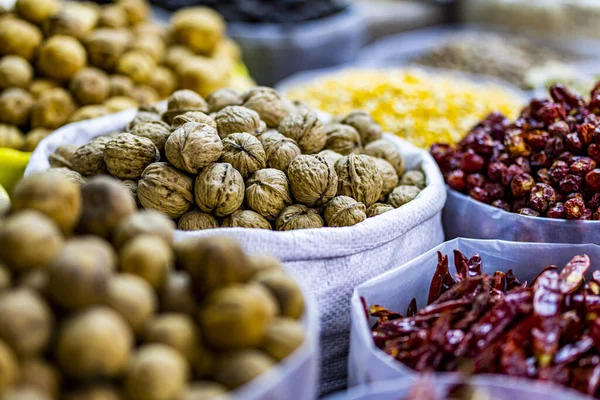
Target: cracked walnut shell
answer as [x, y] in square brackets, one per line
[183, 101]
[312, 179]
[267, 103]
[219, 189]
[386, 150]
[193, 146]
[342, 139]
[126, 156]
[268, 193]
[246, 219]
[279, 149]
[344, 211]
[298, 216]
[234, 119]
[165, 189]
[306, 129]
[359, 178]
[368, 129]
[244, 152]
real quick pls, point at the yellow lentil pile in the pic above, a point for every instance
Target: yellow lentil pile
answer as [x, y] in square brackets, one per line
[420, 106]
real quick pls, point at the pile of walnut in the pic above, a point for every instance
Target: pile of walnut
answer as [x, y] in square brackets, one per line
[251, 160]
[91, 306]
[65, 61]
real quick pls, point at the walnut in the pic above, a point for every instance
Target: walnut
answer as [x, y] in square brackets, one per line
[18, 37]
[145, 95]
[15, 71]
[359, 178]
[344, 211]
[389, 178]
[193, 116]
[52, 109]
[105, 47]
[132, 188]
[234, 119]
[219, 189]
[268, 193]
[195, 220]
[164, 81]
[157, 131]
[62, 156]
[331, 156]
[414, 178]
[127, 155]
[298, 216]
[137, 65]
[378, 209]
[246, 219]
[199, 28]
[183, 101]
[342, 139]
[222, 98]
[120, 103]
[69, 173]
[60, 57]
[15, 105]
[90, 86]
[368, 129]
[313, 180]
[402, 195]
[142, 117]
[268, 104]
[203, 75]
[244, 152]
[306, 129]
[386, 150]
[193, 146]
[11, 137]
[120, 85]
[165, 189]
[279, 150]
[88, 159]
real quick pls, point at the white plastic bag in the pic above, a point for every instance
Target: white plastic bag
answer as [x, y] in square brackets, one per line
[466, 217]
[396, 288]
[331, 261]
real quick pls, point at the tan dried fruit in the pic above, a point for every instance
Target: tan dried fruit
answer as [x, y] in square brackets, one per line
[268, 192]
[120, 85]
[283, 337]
[199, 28]
[389, 178]
[88, 112]
[236, 369]
[279, 150]
[204, 390]
[402, 195]
[203, 75]
[10, 368]
[219, 99]
[94, 344]
[120, 103]
[52, 109]
[156, 372]
[298, 216]
[133, 298]
[344, 211]
[193, 146]
[193, 116]
[386, 150]
[62, 156]
[22, 309]
[234, 119]
[29, 240]
[149, 257]
[60, 57]
[20, 38]
[165, 189]
[15, 72]
[414, 178]
[244, 152]
[39, 86]
[164, 81]
[306, 129]
[246, 219]
[378, 209]
[268, 104]
[312, 179]
[145, 95]
[80, 274]
[359, 178]
[219, 189]
[127, 156]
[151, 44]
[105, 47]
[74, 176]
[143, 222]
[74, 19]
[178, 331]
[137, 65]
[196, 220]
[88, 159]
[112, 16]
[90, 86]
[38, 374]
[176, 294]
[11, 137]
[138, 11]
[177, 55]
[368, 129]
[212, 262]
[342, 139]
[15, 104]
[251, 309]
[52, 194]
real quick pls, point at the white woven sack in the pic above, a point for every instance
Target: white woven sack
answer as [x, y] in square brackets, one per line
[396, 288]
[331, 261]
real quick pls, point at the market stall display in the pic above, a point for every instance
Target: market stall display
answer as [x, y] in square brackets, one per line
[113, 316]
[421, 106]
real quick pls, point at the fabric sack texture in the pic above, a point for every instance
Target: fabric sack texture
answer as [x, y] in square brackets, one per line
[396, 288]
[330, 261]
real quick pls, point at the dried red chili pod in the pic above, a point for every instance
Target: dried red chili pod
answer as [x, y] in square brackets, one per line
[461, 265]
[474, 266]
[383, 314]
[596, 215]
[547, 268]
[441, 281]
[546, 335]
[457, 180]
[574, 208]
[570, 352]
[547, 296]
[571, 277]
[412, 309]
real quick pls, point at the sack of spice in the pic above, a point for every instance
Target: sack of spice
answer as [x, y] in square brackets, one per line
[332, 261]
[452, 315]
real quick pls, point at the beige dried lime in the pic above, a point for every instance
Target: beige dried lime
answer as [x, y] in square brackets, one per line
[137, 65]
[193, 146]
[298, 216]
[145, 95]
[143, 222]
[15, 105]
[10, 368]
[89, 112]
[151, 44]
[283, 337]
[285, 290]
[105, 47]
[39, 86]
[127, 155]
[219, 189]
[120, 103]
[52, 109]
[312, 179]
[60, 57]
[268, 193]
[386, 150]
[203, 75]
[246, 219]
[306, 129]
[38, 374]
[15, 72]
[244, 152]
[359, 178]
[112, 16]
[199, 28]
[234, 119]
[133, 298]
[196, 220]
[11, 137]
[73, 19]
[178, 331]
[149, 257]
[164, 81]
[119, 85]
[19, 38]
[90, 86]
[237, 369]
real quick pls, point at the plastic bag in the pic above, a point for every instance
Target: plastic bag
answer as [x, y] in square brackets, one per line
[466, 217]
[396, 288]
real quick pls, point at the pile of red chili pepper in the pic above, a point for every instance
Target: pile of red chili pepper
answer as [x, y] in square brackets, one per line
[481, 323]
[542, 164]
